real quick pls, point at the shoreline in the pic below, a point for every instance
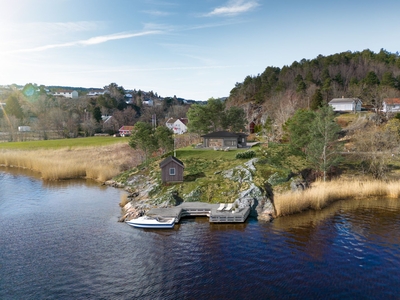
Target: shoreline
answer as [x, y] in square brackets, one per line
[99, 163]
[67, 163]
[322, 194]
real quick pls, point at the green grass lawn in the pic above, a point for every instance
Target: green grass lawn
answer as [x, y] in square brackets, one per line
[209, 154]
[64, 143]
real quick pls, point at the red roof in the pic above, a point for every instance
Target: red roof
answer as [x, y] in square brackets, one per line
[126, 128]
[392, 100]
[184, 120]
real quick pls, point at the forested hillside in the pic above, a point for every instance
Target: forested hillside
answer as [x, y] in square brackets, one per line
[278, 92]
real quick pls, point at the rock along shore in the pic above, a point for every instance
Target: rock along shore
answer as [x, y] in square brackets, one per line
[139, 202]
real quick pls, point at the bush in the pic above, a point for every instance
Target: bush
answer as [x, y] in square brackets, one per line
[246, 155]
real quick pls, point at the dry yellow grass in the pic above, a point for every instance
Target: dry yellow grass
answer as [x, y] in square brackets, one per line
[99, 163]
[124, 200]
[323, 193]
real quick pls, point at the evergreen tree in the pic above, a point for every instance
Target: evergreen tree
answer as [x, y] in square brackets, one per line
[301, 87]
[371, 79]
[316, 100]
[97, 114]
[143, 138]
[388, 79]
[298, 130]
[206, 118]
[13, 107]
[234, 119]
[323, 151]
[164, 137]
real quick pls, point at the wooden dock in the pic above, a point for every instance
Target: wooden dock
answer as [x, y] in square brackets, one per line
[189, 209]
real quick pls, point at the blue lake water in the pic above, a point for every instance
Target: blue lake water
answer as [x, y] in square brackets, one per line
[61, 240]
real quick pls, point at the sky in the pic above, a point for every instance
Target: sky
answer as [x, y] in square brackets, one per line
[194, 49]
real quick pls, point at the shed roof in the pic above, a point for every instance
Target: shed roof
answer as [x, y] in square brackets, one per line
[344, 100]
[223, 134]
[169, 159]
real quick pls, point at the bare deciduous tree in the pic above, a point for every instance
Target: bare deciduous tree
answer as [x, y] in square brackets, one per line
[375, 148]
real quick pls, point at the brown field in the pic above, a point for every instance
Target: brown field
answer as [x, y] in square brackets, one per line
[100, 163]
[322, 194]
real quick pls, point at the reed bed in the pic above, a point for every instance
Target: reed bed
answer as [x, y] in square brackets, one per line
[322, 194]
[100, 163]
[124, 200]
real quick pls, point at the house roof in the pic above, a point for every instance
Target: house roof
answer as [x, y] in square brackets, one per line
[106, 118]
[344, 100]
[171, 120]
[169, 159]
[241, 134]
[130, 128]
[184, 120]
[392, 101]
[223, 134]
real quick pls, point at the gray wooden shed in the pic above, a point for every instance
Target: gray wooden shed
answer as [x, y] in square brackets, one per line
[171, 170]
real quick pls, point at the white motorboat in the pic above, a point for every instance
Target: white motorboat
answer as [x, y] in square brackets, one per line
[152, 222]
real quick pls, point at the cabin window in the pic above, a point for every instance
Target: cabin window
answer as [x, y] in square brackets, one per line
[229, 143]
[171, 171]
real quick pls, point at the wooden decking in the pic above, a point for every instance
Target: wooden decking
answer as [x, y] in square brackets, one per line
[202, 209]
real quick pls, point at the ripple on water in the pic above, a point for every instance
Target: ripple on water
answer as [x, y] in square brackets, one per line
[65, 243]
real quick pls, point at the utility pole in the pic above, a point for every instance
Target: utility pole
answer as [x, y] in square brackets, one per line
[174, 148]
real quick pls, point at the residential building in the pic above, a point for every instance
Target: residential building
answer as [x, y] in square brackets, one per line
[178, 126]
[391, 105]
[125, 130]
[223, 139]
[346, 104]
[67, 94]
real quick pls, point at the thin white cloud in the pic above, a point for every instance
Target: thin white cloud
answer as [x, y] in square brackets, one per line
[89, 42]
[233, 8]
[157, 13]
[66, 26]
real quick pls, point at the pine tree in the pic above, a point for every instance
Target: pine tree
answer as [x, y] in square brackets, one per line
[13, 107]
[316, 100]
[323, 151]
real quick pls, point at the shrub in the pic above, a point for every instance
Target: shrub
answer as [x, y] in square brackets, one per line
[124, 200]
[246, 154]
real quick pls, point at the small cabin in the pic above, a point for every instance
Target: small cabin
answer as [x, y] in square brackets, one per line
[222, 139]
[171, 170]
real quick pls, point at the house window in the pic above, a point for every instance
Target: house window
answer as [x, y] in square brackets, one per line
[172, 171]
[229, 143]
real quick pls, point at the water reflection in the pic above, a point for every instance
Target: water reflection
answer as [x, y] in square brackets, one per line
[351, 225]
[63, 241]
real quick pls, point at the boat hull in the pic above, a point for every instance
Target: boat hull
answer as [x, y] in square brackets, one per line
[151, 223]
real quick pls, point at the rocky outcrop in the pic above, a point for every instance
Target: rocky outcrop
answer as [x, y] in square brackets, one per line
[131, 212]
[260, 200]
[298, 185]
[144, 193]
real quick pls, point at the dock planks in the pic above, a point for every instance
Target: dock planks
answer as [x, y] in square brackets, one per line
[202, 209]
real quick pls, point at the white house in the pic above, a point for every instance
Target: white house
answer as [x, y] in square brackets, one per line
[178, 126]
[346, 104]
[95, 93]
[391, 105]
[73, 94]
[148, 102]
